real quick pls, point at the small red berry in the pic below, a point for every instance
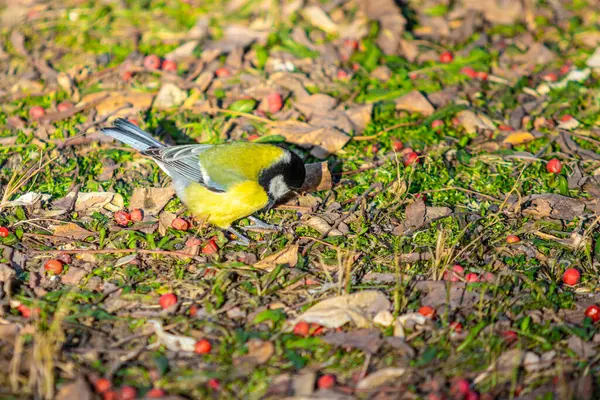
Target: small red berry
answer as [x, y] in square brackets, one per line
[126, 75]
[4, 231]
[301, 328]
[470, 72]
[36, 112]
[397, 145]
[155, 393]
[193, 310]
[315, 329]
[566, 118]
[427, 311]
[593, 313]
[482, 75]
[411, 158]
[460, 387]
[550, 77]
[210, 247]
[554, 166]
[471, 277]
[438, 123]
[64, 106]
[203, 346]
[341, 74]
[472, 395]
[510, 336]
[136, 215]
[253, 137]
[456, 327]
[152, 62]
[54, 266]
[274, 102]
[24, 310]
[167, 300]
[169, 65]
[571, 276]
[505, 128]
[214, 384]
[510, 239]
[488, 277]
[110, 395]
[223, 72]
[454, 275]
[122, 218]
[326, 381]
[351, 44]
[127, 393]
[102, 385]
[446, 57]
[180, 224]
[565, 69]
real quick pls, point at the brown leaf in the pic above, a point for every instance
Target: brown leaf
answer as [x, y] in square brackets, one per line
[127, 102]
[78, 390]
[9, 331]
[287, 256]
[169, 96]
[497, 11]
[582, 349]
[316, 104]
[73, 276]
[391, 21]
[318, 177]
[415, 102]
[437, 294]
[72, 231]
[151, 199]
[554, 206]
[321, 225]
[164, 221]
[368, 340]
[235, 36]
[259, 352]
[319, 18]
[415, 214]
[324, 141]
[360, 116]
[96, 201]
[380, 378]
[471, 122]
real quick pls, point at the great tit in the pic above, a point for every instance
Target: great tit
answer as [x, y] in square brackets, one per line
[220, 183]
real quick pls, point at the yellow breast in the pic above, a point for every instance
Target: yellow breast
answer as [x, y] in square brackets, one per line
[223, 208]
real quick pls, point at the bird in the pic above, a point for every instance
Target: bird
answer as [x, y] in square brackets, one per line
[221, 183]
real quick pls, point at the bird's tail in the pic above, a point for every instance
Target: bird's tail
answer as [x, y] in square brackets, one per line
[132, 135]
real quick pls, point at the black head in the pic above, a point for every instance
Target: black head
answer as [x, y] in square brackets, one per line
[287, 174]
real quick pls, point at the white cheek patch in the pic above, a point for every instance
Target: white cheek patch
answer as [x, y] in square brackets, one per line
[278, 187]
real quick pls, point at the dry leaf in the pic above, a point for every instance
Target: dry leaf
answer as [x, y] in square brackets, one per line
[73, 276]
[317, 17]
[437, 294]
[321, 225]
[583, 349]
[497, 12]
[287, 256]
[151, 199]
[359, 308]
[164, 222]
[259, 352]
[96, 201]
[78, 390]
[316, 104]
[235, 36]
[127, 102]
[550, 205]
[318, 177]
[380, 378]
[416, 102]
[471, 122]
[172, 342]
[72, 231]
[169, 96]
[27, 200]
[360, 116]
[516, 138]
[324, 141]
[368, 340]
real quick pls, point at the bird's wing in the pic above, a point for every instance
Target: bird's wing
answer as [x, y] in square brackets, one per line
[184, 161]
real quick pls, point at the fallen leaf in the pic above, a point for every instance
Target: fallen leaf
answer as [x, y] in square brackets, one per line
[169, 96]
[323, 141]
[235, 36]
[409, 321]
[164, 222]
[287, 256]
[594, 60]
[182, 52]
[259, 352]
[78, 390]
[316, 104]
[380, 378]
[550, 205]
[368, 340]
[72, 231]
[9, 331]
[97, 201]
[126, 102]
[170, 341]
[319, 18]
[583, 349]
[360, 116]
[415, 102]
[151, 199]
[392, 22]
[73, 276]
[318, 177]
[27, 200]
[516, 138]
[471, 122]
[322, 226]
[459, 297]
[303, 383]
[359, 308]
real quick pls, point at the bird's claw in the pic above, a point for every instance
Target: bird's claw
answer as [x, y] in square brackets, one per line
[259, 225]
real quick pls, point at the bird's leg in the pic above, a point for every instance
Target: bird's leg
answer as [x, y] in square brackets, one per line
[241, 239]
[257, 224]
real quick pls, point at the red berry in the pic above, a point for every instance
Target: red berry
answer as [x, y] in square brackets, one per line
[571, 276]
[326, 381]
[127, 393]
[193, 310]
[152, 62]
[214, 384]
[397, 145]
[488, 277]
[510, 336]
[223, 72]
[54, 266]
[550, 77]
[427, 311]
[472, 395]
[4, 231]
[355, 67]
[593, 313]
[110, 395]
[566, 118]
[274, 102]
[455, 274]
[505, 128]
[437, 123]
[24, 310]
[315, 329]
[191, 242]
[180, 224]
[482, 75]
[301, 328]
[155, 393]
[210, 247]
[460, 387]
[126, 75]
[554, 166]
[122, 218]
[167, 300]
[512, 239]
[470, 72]
[64, 106]
[169, 65]
[202, 347]
[341, 74]
[102, 385]
[456, 327]
[134, 121]
[446, 57]
[36, 112]
[411, 158]
[136, 215]
[351, 44]
[471, 277]
[253, 137]
[565, 69]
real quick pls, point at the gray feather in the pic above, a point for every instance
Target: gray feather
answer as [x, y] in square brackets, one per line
[132, 135]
